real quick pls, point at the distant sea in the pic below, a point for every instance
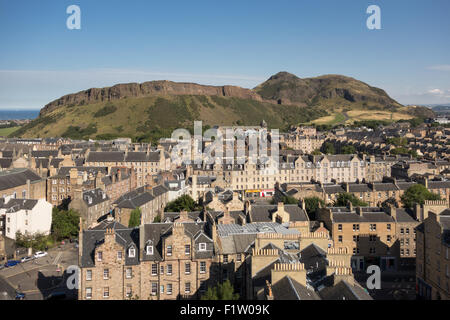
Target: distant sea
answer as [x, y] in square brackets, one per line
[18, 114]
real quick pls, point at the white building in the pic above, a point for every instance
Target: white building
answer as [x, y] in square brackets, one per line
[26, 216]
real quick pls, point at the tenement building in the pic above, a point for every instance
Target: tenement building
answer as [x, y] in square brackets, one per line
[374, 236]
[433, 255]
[154, 261]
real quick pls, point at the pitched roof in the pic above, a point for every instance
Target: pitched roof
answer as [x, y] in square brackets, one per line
[17, 177]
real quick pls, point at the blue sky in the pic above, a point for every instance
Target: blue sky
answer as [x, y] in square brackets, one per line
[221, 42]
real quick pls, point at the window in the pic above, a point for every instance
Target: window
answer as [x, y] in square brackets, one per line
[407, 230]
[169, 250]
[106, 292]
[119, 255]
[154, 288]
[149, 249]
[372, 238]
[372, 250]
[169, 289]
[161, 289]
[340, 238]
[99, 256]
[187, 268]
[88, 293]
[187, 249]
[154, 269]
[129, 273]
[187, 287]
[340, 227]
[356, 227]
[373, 227]
[388, 227]
[202, 267]
[202, 246]
[105, 274]
[402, 231]
[169, 269]
[132, 252]
[88, 275]
[162, 270]
[202, 287]
[389, 238]
[225, 258]
[129, 291]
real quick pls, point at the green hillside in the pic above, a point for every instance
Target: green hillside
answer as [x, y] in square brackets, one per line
[149, 118]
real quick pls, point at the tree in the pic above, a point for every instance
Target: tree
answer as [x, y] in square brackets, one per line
[37, 241]
[135, 218]
[65, 224]
[183, 203]
[287, 200]
[222, 291]
[343, 199]
[311, 206]
[348, 150]
[417, 194]
[328, 148]
[316, 152]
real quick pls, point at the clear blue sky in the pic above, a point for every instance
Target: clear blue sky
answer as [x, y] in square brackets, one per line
[221, 42]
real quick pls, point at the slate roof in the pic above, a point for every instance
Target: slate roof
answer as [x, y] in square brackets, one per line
[332, 189]
[344, 291]
[44, 153]
[289, 289]
[94, 197]
[124, 236]
[368, 215]
[17, 177]
[14, 205]
[5, 163]
[405, 215]
[113, 156]
[154, 234]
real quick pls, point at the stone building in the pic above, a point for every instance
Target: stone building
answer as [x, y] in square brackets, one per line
[161, 261]
[92, 205]
[150, 200]
[22, 184]
[433, 256]
[374, 236]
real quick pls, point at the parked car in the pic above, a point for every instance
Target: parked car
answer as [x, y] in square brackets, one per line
[25, 259]
[11, 263]
[2, 266]
[20, 296]
[40, 254]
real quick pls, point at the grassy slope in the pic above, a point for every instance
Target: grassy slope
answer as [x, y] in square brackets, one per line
[154, 117]
[4, 132]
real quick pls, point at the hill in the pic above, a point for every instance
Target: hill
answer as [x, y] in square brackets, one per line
[154, 109]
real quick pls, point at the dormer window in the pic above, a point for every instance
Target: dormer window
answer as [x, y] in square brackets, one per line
[131, 252]
[149, 249]
[202, 246]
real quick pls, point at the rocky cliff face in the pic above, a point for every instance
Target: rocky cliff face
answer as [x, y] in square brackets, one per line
[150, 88]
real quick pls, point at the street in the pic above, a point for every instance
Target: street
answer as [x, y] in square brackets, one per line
[39, 277]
